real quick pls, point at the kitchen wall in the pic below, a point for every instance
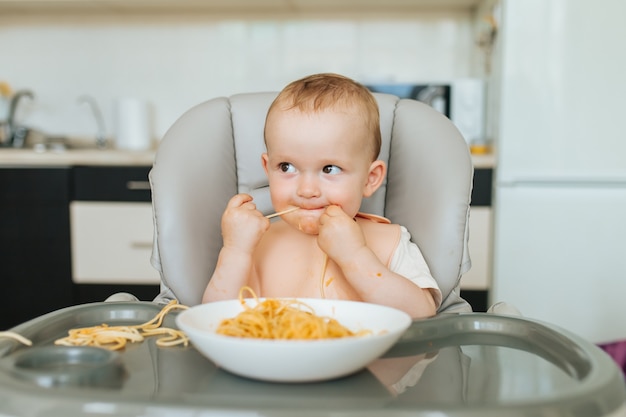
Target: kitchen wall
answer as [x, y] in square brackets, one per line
[176, 62]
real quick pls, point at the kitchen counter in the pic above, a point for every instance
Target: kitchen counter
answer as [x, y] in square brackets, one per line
[29, 157]
[481, 161]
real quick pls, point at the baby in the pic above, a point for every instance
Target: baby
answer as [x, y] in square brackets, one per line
[322, 135]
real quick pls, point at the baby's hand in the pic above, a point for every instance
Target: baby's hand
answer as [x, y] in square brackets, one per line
[242, 224]
[339, 235]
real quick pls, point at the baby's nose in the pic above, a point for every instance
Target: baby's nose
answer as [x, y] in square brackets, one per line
[308, 187]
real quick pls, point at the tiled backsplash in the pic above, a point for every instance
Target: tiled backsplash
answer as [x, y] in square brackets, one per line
[175, 64]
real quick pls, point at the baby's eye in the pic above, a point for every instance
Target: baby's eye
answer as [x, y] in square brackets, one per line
[286, 167]
[331, 169]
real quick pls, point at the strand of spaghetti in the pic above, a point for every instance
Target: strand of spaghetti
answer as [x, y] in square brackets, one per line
[173, 337]
[158, 319]
[280, 213]
[324, 266]
[16, 336]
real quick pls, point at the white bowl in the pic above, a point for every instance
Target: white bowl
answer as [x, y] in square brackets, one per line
[296, 360]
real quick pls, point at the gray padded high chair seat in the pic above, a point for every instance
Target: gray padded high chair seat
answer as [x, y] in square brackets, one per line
[214, 152]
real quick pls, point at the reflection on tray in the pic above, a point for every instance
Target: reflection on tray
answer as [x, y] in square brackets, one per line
[61, 366]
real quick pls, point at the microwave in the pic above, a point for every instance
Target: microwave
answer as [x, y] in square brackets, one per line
[462, 101]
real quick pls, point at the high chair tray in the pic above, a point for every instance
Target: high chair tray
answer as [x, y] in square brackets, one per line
[454, 365]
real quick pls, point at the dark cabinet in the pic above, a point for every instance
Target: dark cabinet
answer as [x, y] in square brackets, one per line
[111, 183]
[482, 188]
[35, 236]
[35, 268]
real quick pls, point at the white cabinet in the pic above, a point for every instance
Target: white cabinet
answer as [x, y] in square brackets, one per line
[112, 243]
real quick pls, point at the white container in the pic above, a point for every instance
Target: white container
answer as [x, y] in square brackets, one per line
[132, 125]
[467, 109]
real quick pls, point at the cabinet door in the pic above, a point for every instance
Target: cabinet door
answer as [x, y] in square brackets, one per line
[34, 243]
[111, 183]
[112, 243]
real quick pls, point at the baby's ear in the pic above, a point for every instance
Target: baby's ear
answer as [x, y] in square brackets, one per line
[375, 177]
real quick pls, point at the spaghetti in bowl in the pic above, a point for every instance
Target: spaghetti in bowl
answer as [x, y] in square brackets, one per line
[375, 328]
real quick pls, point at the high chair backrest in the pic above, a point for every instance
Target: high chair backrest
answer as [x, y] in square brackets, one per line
[213, 152]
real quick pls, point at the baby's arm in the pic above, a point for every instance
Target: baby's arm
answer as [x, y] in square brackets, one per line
[343, 240]
[242, 228]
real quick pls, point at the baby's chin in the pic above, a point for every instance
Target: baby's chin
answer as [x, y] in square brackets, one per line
[308, 225]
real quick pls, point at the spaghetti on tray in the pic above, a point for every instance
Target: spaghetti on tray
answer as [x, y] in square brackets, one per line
[282, 319]
[116, 337]
[16, 336]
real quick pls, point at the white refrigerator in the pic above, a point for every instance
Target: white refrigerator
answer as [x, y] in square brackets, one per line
[559, 84]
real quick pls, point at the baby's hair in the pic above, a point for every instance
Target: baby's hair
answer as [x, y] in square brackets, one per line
[320, 92]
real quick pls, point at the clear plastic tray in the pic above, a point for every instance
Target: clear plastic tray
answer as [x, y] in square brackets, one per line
[454, 365]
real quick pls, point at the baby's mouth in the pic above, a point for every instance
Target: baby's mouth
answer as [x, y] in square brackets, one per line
[313, 209]
[310, 214]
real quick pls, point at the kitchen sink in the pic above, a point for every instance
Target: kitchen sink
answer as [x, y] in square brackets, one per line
[41, 142]
[62, 147]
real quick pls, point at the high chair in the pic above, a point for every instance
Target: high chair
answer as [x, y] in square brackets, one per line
[214, 152]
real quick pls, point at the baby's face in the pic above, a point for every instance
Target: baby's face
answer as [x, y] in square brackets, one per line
[314, 160]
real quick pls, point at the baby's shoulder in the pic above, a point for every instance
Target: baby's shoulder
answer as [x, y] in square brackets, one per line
[382, 237]
[378, 229]
[376, 224]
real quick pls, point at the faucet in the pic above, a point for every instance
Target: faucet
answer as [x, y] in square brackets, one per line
[17, 134]
[101, 140]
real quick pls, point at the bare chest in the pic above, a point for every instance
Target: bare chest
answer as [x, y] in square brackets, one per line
[291, 270]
